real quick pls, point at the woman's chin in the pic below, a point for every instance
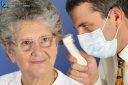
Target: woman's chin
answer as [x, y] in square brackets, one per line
[39, 73]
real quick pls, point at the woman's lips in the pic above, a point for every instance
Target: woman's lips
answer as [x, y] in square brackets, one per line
[38, 61]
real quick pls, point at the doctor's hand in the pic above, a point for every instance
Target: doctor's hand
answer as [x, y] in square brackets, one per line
[88, 74]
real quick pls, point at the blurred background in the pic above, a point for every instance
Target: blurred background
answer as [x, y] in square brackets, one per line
[6, 66]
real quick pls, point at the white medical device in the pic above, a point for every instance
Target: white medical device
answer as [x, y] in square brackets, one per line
[68, 42]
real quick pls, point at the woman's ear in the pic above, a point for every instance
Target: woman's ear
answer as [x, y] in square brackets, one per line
[10, 53]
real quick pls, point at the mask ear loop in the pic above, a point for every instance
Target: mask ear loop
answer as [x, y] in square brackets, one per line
[105, 21]
[116, 33]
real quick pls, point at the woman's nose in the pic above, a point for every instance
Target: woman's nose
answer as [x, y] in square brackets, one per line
[37, 50]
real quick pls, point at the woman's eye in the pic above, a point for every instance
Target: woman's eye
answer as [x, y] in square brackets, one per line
[46, 39]
[24, 43]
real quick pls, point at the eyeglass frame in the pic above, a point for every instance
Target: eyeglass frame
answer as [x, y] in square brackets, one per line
[51, 37]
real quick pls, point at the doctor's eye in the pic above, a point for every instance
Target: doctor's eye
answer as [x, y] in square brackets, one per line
[85, 28]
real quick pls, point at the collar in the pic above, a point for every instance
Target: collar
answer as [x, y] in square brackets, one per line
[124, 54]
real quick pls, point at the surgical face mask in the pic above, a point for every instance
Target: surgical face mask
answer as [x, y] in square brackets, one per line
[95, 44]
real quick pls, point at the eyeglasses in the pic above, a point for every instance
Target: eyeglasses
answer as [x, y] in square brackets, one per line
[28, 44]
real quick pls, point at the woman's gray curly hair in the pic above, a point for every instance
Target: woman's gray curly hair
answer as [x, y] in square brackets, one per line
[42, 10]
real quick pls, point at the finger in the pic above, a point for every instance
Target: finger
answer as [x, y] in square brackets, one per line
[71, 59]
[77, 73]
[78, 67]
[87, 57]
[76, 78]
[79, 79]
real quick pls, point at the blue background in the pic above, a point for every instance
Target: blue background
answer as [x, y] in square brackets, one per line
[61, 63]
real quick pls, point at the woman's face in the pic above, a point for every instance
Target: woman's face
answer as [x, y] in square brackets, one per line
[36, 49]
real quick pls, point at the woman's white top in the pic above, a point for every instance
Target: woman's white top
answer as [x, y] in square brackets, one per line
[15, 79]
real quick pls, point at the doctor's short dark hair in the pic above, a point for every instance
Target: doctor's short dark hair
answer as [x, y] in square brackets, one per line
[102, 6]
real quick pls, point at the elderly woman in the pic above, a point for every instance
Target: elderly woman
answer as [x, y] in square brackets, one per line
[30, 35]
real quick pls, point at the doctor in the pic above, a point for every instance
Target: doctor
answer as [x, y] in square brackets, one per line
[102, 27]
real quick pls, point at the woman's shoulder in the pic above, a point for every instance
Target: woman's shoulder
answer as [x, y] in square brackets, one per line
[10, 75]
[10, 78]
[63, 79]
